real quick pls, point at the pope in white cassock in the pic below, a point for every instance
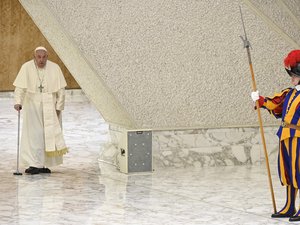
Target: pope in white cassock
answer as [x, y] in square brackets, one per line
[40, 91]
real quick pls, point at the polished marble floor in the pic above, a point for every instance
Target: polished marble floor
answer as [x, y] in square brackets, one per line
[86, 191]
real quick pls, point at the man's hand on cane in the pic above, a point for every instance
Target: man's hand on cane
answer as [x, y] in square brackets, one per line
[18, 107]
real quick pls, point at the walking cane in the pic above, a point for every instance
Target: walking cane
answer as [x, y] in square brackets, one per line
[247, 46]
[18, 145]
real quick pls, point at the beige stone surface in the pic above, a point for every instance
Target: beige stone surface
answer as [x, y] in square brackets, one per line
[171, 64]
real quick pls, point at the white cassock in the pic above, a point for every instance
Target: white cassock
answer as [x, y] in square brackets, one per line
[41, 92]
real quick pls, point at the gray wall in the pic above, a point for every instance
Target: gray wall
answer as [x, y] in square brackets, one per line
[171, 64]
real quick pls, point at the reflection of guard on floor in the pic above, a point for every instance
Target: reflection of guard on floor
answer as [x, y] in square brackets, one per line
[285, 105]
[135, 152]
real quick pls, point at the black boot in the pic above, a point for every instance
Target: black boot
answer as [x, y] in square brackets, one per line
[44, 170]
[295, 217]
[289, 209]
[32, 170]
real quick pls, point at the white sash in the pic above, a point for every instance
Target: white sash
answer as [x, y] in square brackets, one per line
[54, 141]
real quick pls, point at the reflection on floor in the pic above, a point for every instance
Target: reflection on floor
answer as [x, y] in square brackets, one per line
[84, 191]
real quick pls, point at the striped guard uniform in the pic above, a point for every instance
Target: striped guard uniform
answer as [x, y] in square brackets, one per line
[285, 105]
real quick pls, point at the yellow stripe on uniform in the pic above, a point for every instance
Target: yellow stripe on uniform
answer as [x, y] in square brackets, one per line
[290, 110]
[293, 161]
[288, 201]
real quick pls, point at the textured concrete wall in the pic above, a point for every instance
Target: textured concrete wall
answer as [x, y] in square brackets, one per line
[92, 85]
[177, 63]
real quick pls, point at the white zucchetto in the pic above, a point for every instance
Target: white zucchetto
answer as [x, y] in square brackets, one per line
[40, 48]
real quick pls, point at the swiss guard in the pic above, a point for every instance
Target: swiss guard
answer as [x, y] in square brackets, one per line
[286, 106]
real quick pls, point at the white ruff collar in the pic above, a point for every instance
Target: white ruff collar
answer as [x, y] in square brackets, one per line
[297, 87]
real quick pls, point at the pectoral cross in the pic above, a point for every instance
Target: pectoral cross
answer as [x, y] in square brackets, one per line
[41, 88]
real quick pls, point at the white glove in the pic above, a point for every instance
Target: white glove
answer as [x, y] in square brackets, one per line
[255, 96]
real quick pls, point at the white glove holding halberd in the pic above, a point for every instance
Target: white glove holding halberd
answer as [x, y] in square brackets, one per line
[255, 96]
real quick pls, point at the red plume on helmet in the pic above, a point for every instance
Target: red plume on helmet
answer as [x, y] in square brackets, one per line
[292, 63]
